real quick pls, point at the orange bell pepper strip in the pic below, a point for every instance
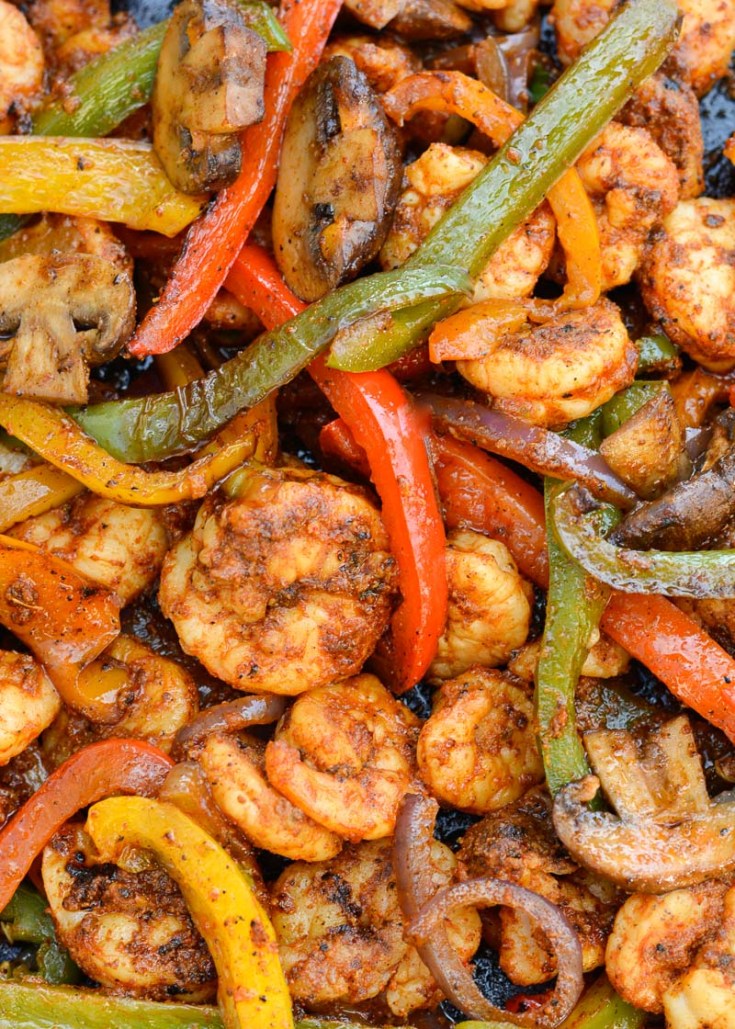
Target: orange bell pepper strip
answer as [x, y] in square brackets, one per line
[100, 770]
[62, 617]
[214, 241]
[452, 92]
[385, 423]
[56, 437]
[471, 333]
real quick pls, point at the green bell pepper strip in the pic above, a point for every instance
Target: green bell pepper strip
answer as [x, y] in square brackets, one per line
[32, 1004]
[154, 427]
[574, 606]
[581, 524]
[657, 355]
[625, 404]
[511, 186]
[26, 920]
[599, 1008]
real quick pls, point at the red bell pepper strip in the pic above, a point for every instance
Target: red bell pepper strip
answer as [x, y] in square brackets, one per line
[384, 422]
[214, 240]
[100, 770]
[686, 658]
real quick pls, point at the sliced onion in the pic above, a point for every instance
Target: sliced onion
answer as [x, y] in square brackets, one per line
[426, 910]
[518, 48]
[186, 787]
[539, 449]
[234, 716]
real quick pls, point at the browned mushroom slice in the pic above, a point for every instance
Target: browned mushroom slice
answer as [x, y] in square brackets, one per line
[431, 19]
[338, 181]
[58, 315]
[209, 86]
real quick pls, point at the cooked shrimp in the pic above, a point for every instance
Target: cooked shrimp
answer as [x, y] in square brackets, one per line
[130, 931]
[384, 62]
[701, 56]
[704, 995]
[434, 182]
[21, 62]
[688, 280]
[516, 15]
[28, 702]
[119, 547]
[340, 930]
[605, 659]
[235, 770]
[669, 112]
[489, 606]
[345, 755]
[478, 750]
[633, 185]
[518, 844]
[553, 373]
[655, 940]
[285, 588]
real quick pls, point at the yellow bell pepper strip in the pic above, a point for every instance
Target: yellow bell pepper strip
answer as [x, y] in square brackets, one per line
[178, 367]
[252, 990]
[62, 617]
[56, 437]
[114, 180]
[453, 92]
[33, 492]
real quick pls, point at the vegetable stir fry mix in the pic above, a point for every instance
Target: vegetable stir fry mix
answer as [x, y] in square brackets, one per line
[367, 514]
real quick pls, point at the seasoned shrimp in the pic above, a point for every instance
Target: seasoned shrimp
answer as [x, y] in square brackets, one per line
[340, 930]
[28, 702]
[605, 659]
[704, 995]
[285, 588]
[434, 182]
[688, 280]
[669, 112]
[119, 547]
[701, 56]
[553, 373]
[130, 931]
[518, 844]
[345, 755]
[656, 938]
[21, 62]
[478, 750]
[235, 770]
[489, 606]
[383, 62]
[633, 185]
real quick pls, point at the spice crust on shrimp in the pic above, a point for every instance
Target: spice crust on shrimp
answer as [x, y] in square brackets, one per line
[285, 588]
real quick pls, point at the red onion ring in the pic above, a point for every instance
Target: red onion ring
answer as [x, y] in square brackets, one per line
[234, 716]
[425, 911]
[539, 449]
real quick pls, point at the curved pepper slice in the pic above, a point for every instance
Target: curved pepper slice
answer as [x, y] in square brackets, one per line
[385, 424]
[252, 988]
[56, 437]
[33, 492]
[62, 617]
[94, 772]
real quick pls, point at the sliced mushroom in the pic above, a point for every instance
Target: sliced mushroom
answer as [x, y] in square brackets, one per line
[58, 315]
[209, 86]
[338, 181]
[640, 853]
[431, 19]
